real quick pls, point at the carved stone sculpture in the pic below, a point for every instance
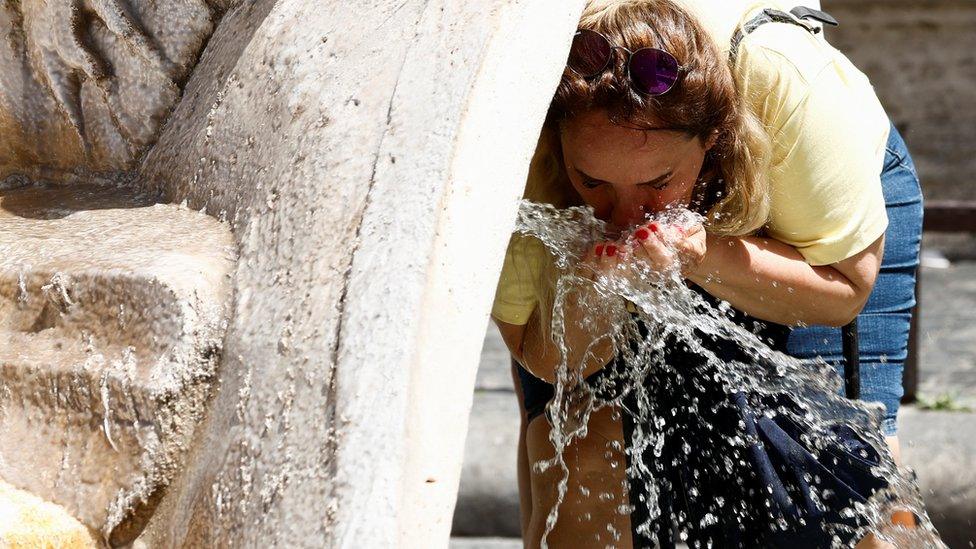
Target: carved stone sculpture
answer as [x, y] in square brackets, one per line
[87, 84]
[310, 386]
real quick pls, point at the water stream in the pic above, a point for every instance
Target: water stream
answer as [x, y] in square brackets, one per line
[683, 441]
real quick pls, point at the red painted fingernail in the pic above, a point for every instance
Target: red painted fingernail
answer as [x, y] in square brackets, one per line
[642, 234]
[655, 228]
[611, 251]
[599, 250]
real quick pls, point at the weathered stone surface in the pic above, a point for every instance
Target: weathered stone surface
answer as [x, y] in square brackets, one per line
[370, 184]
[921, 58]
[87, 84]
[112, 310]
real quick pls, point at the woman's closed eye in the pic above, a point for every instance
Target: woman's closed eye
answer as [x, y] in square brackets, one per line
[658, 184]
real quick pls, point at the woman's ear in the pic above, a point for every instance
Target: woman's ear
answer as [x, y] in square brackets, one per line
[711, 140]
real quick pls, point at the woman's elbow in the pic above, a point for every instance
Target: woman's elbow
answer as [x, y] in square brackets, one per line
[861, 274]
[845, 313]
[522, 344]
[839, 320]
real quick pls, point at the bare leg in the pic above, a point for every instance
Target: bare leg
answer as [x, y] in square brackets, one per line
[522, 460]
[589, 516]
[902, 518]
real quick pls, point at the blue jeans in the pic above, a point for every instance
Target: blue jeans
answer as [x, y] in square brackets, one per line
[884, 323]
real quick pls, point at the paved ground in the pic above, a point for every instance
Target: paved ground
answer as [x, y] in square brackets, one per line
[947, 333]
[948, 366]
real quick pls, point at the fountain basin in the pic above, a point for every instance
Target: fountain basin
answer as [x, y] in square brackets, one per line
[113, 310]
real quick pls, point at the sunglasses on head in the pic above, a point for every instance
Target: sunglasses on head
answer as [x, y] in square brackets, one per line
[651, 71]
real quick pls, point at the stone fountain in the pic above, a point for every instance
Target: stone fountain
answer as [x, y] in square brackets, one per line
[247, 254]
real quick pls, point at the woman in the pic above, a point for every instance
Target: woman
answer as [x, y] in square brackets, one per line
[734, 143]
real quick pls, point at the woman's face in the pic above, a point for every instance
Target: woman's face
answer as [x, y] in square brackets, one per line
[625, 174]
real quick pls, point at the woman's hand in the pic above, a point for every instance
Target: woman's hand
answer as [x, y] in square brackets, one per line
[691, 245]
[659, 247]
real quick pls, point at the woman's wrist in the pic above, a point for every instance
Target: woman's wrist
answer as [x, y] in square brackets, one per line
[704, 266]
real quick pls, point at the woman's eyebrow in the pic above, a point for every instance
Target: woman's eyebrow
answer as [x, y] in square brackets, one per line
[654, 181]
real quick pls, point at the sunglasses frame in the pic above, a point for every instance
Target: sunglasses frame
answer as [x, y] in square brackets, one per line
[682, 69]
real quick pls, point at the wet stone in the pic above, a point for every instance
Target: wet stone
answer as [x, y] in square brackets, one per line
[112, 312]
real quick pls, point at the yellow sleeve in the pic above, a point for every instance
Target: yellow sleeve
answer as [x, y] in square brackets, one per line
[829, 133]
[517, 294]
[519, 286]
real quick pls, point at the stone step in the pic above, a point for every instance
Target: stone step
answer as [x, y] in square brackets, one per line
[485, 543]
[112, 311]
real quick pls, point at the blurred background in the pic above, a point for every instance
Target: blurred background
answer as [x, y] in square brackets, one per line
[921, 57]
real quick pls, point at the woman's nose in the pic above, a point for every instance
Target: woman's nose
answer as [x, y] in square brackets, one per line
[628, 213]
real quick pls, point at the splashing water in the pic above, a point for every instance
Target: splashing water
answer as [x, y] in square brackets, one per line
[678, 410]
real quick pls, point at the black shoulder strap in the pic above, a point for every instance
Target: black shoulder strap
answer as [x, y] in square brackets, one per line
[852, 361]
[799, 16]
[804, 13]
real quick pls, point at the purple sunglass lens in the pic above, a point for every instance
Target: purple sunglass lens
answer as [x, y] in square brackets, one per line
[590, 53]
[653, 71]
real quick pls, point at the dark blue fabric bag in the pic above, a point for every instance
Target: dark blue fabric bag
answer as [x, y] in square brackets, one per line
[743, 469]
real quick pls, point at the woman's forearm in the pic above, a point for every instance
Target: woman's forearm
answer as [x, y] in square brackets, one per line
[771, 281]
[763, 277]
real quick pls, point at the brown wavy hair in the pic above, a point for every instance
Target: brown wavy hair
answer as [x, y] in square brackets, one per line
[733, 189]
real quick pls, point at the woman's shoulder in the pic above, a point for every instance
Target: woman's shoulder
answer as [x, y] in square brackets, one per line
[785, 72]
[784, 54]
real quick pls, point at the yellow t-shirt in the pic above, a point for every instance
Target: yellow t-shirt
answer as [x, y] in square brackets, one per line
[828, 131]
